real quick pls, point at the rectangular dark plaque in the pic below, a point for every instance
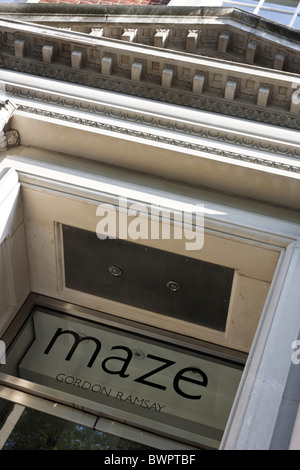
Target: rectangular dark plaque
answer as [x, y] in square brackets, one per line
[147, 278]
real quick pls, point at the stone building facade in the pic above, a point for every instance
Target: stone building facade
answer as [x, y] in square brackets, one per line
[107, 111]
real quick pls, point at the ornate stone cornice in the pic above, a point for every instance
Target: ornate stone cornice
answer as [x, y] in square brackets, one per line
[158, 120]
[112, 19]
[176, 141]
[278, 115]
[156, 73]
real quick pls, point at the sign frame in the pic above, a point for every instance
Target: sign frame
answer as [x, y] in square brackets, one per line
[155, 427]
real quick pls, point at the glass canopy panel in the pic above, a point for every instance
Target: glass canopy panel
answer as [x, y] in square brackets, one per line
[142, 381]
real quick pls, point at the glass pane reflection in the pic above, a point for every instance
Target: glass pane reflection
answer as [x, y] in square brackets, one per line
[296, 25]
[283, 18]
[241, 7]
[280, 6]
[35, 430]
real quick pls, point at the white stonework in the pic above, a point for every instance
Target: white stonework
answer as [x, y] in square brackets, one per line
[6, 111]
[199, 107]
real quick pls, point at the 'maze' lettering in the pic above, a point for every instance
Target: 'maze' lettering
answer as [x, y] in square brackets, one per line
[149, 377]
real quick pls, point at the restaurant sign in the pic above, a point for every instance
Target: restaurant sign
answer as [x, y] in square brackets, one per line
[144, 381]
